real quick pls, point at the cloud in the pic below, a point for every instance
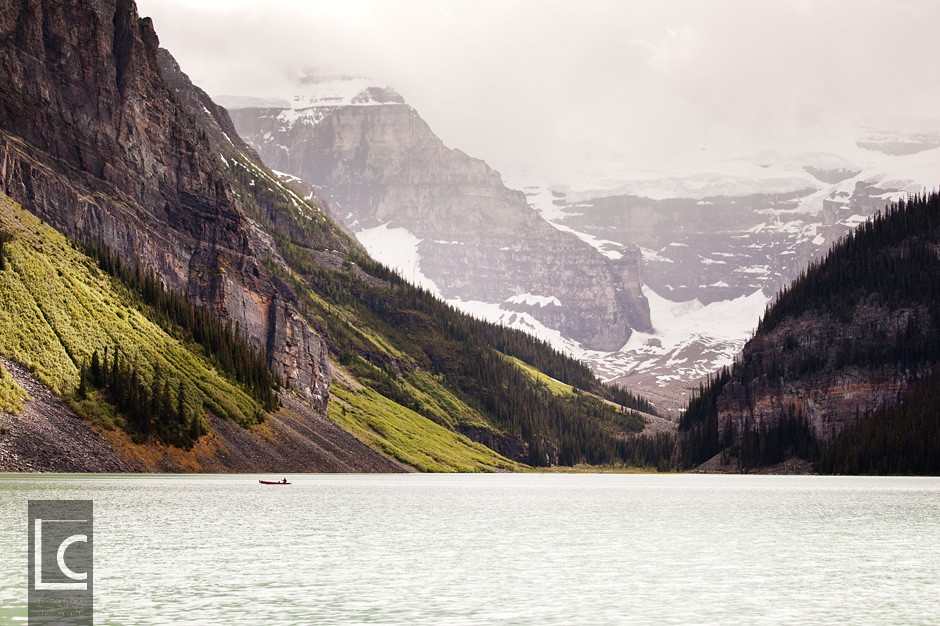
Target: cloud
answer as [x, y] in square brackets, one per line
[674, 52]
[542, 84]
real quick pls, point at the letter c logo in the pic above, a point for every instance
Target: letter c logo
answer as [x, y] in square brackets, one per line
[60, 557]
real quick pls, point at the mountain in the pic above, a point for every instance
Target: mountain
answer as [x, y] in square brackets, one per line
[721, 233]
[843, 364]
[203, 314]
[94, 143]
[709, 237]
[444, 219]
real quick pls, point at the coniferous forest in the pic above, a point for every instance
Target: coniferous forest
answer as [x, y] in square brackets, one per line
[872, 306]
[903, 439]
[158, 409]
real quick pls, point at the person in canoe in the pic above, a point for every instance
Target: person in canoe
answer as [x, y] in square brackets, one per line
[284, 480]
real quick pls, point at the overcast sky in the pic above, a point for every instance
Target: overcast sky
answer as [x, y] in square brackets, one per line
[542, 83]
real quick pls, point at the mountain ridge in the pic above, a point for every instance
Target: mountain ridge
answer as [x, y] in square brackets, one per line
[379, 165]
[112, 156]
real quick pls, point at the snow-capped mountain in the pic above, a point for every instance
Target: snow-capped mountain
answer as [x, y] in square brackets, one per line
[444, 219]
[703, 239]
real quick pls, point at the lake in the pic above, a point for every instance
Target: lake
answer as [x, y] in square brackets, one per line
[496, 549]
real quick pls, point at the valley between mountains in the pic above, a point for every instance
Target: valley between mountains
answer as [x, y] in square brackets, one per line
[695, 246]
[320, 284]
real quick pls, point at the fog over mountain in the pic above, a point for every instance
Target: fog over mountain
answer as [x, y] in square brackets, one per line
[722, 145]
[548, 86]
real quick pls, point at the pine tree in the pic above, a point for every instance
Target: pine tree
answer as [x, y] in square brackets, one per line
[166, 403]
[5, 237]
[114, 380]
[181, 404]
[83, 383]
[156, 391]
[95, 370]
[195, 429]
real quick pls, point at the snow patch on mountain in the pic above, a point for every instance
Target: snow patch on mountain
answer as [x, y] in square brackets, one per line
[689, 339]
[250, 102]
[321, 97]
[909, 173]
[494, 313]
[653, 255]
[534, 300]
[344, 91]
[397, 248]
[610, 249]
[675, 323]
[287, 178]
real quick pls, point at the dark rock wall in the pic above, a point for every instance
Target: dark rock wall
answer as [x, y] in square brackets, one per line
[94, 141]
[802, 374]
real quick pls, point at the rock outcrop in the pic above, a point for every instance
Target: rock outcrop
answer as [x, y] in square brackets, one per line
[804, 375]
[94, 141]
[376, 162]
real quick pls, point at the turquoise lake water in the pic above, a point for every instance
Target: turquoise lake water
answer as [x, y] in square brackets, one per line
[496, 549]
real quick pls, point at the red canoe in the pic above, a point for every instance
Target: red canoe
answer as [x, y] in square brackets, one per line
[272, 482]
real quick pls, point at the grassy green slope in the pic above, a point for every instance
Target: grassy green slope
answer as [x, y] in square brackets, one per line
[58, 308]
[403, 434]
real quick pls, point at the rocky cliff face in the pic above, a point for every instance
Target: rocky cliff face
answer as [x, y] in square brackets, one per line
[719, 248]
[804, 375]
[94, 141]
[379, 166]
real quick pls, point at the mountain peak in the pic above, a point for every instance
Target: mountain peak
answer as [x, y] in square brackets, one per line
[323, 92]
